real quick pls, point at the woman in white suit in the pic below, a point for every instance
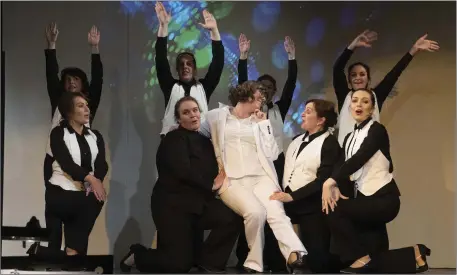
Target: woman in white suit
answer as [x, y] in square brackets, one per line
[245, 149]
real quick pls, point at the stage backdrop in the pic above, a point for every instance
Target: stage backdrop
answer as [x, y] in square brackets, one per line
[419, 114]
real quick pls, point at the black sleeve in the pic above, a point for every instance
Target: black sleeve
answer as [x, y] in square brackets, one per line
[213, 76]
[96, 84]
[164, 76]
[384, 87]
[242, 71]
[376, 139]
[288, 90]
[330, 154]
[340, 83]
[52, 78]
[100, 165]
[176, 157]
[62, 155]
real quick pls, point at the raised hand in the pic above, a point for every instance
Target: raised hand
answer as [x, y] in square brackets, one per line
[259, 115]
[210, 21]
[52, 32]
[93, 36]
[289, 46]
[364, 40]
[163, 16]
[244, 45]
[423, 44]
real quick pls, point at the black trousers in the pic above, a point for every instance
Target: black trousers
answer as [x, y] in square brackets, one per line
[315, 236]
[176, 244]
[55, 239]
[76, 211]
[355, 226]
[273, 258]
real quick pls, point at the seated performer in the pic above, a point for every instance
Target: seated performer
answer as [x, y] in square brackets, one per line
[183, 202]
[276, 113]
[359, 77]
[186, 66]
[310, 160]
[376, 197]
[75, 194]
[72, 80]
[246, 148]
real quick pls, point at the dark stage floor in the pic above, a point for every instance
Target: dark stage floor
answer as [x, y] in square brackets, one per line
[235, 271]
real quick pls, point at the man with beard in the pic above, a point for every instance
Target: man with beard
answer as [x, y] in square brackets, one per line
[186, 66]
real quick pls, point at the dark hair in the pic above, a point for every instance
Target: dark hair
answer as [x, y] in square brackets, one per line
[269, 78]
[244, 92]
[325, 109]
[181, 101]
[75, 72]
[365, 66]
[372, 97]
[181, 55]
[66, 103]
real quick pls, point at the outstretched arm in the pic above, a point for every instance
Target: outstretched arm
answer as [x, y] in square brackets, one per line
[340, 83]
[244, 45]
[213, 76]
[164, 76]
[52, 67]
[96, 82]
[386, 85]
[289, 87]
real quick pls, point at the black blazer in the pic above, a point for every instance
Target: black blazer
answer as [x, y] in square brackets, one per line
[187, 167]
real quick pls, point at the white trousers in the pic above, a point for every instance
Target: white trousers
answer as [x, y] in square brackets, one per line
[250, 197]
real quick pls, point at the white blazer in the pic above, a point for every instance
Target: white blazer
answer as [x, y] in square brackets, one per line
[267, 148]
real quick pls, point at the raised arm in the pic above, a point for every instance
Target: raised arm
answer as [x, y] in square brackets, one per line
[176, 157]
[289, 87]
[244, 45]
[52, 67]
[340, 83]
[213, 76]
[330, 154]
[96, 82]
[164, 76]
[376, 139]
[386, 85]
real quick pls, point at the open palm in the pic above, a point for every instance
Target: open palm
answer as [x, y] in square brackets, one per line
[244, 43]
[210, 21]
[52, 32]
[93, 37]
[424, 44]
[163, 16]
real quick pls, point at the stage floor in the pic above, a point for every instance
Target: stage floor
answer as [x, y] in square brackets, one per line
[235, 271]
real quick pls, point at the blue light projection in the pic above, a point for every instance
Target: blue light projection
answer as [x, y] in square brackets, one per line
[315, 32]
[186, 35]
[347, 18]
[279, 55]
[317, 71]
[265, 15]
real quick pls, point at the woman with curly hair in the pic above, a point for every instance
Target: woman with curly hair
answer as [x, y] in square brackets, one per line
[245, 149]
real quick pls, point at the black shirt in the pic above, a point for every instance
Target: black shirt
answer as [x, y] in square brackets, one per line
[166, 80]
[63, 156]
[287, 92]
[382, 90]
[55, 89]
[187, 167]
